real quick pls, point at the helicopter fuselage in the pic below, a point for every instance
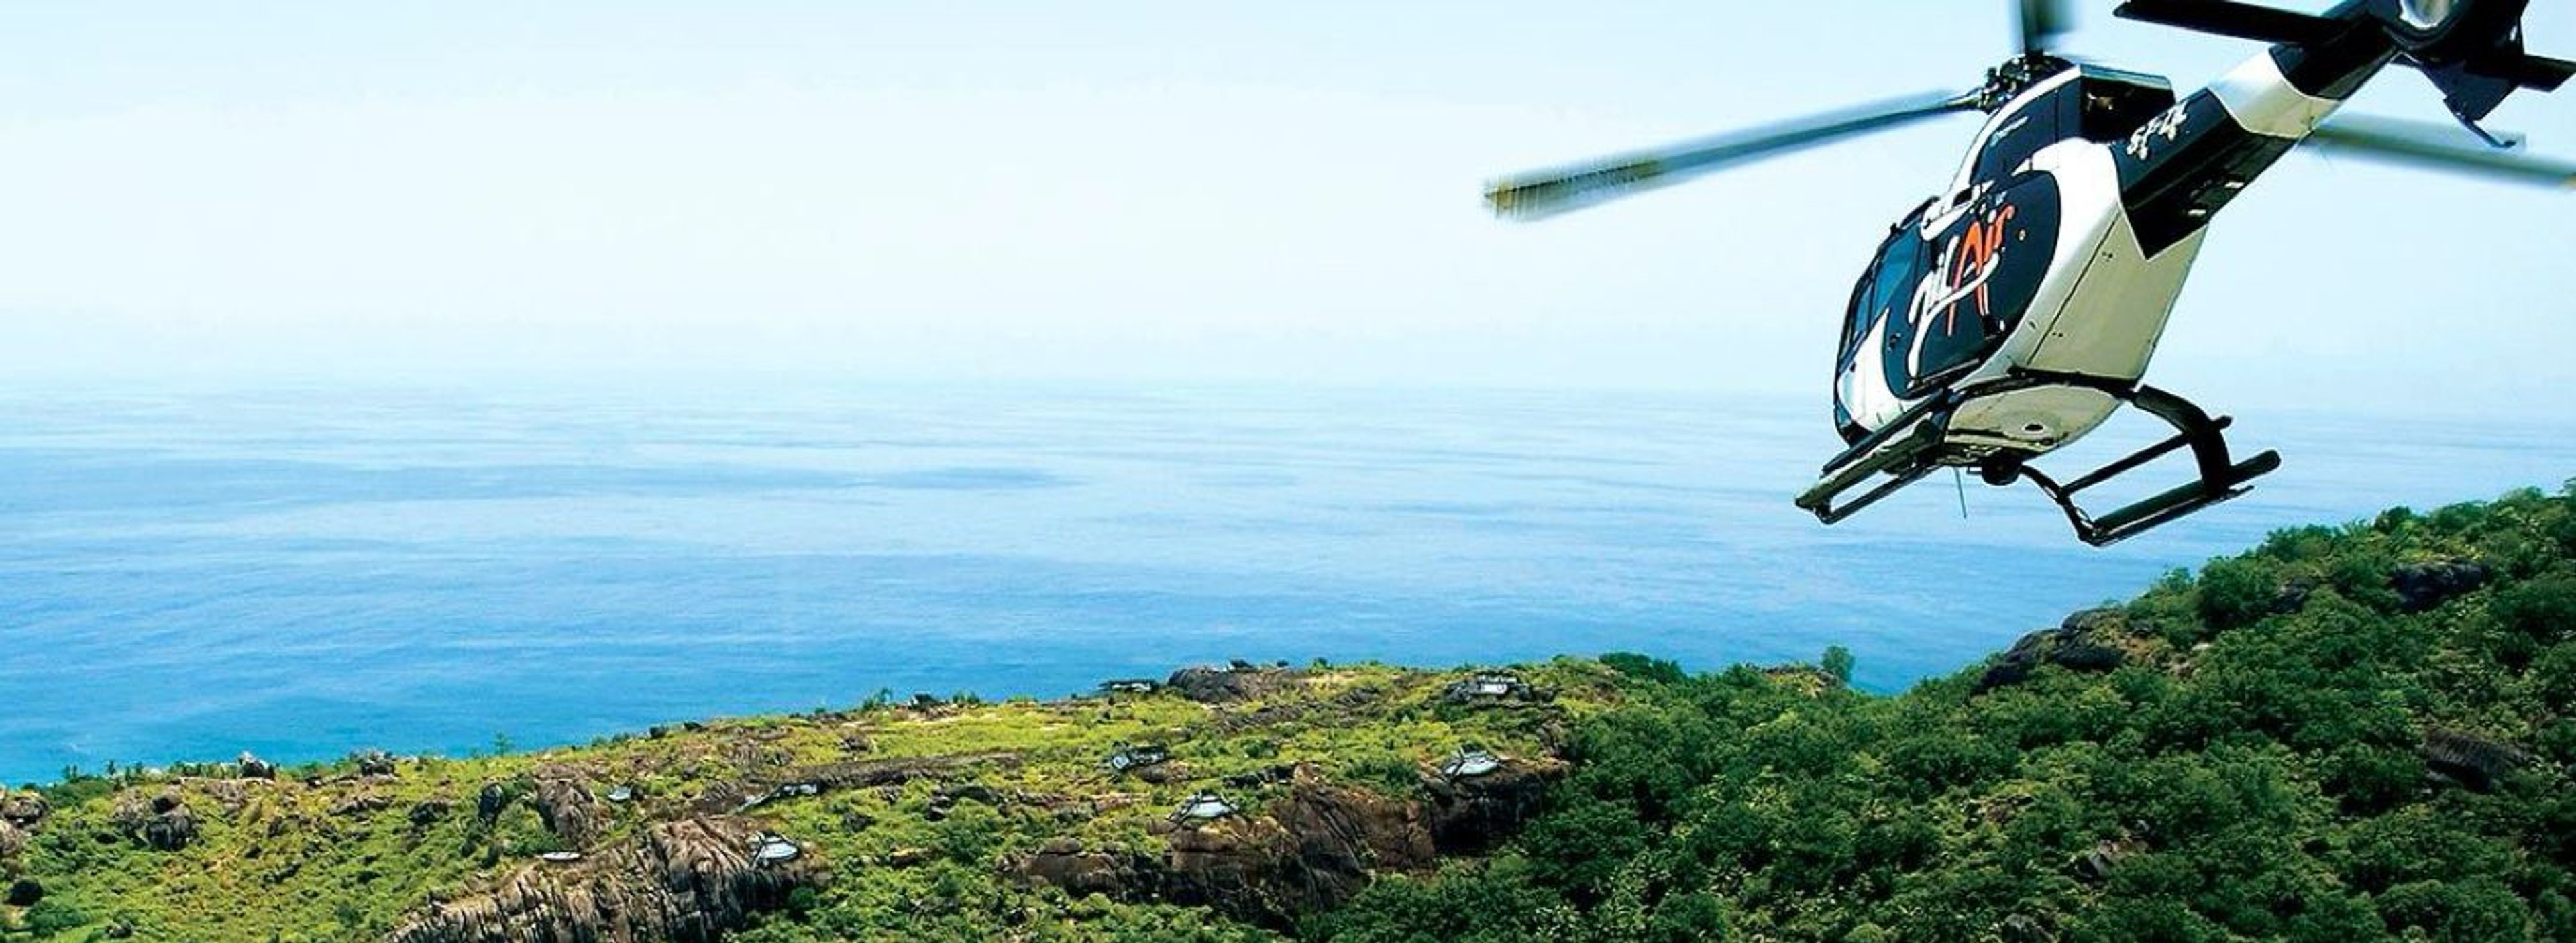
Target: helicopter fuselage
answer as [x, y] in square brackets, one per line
[2016, 310]
[2060, 247]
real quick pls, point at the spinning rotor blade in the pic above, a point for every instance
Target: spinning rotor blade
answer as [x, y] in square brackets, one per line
[2042, 21]
[2437, 147]
[1557, 190]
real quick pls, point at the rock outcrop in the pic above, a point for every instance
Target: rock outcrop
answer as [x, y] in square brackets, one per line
[1118, 873]
[163, 823]
[2084, 642]
[863, 774]
[12, 841]
[25, 810]
[1306, 853]
[427, 812]
[689, 881]
[2469, 759]
[564, 801]
[361, 805]
[1229, 685]
[491, 801]
[1471, 816]
[374, 763]
[2422, 586]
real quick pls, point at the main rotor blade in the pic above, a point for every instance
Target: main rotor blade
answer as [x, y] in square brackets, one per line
[2042, 21]
[1556, 190]
[2436, 147]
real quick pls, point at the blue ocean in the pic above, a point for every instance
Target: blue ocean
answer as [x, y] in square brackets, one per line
[304, 572]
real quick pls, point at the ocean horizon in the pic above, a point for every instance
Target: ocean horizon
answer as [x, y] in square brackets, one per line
[301, 573]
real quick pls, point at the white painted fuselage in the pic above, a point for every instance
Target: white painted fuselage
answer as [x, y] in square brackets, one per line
[2103, 305]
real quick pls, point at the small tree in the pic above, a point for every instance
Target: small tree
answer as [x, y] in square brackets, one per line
[1838, 663]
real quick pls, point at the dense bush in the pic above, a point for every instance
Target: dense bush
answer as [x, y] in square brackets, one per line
[2252, 772]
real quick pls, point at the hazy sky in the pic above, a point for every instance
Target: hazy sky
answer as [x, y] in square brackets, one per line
[1123, 191]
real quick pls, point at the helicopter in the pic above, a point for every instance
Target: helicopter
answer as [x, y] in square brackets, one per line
[2017, 309]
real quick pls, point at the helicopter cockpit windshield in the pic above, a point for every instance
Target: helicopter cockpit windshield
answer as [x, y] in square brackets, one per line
[1886, 289]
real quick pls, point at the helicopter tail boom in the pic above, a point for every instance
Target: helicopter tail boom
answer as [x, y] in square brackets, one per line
[2470, 49]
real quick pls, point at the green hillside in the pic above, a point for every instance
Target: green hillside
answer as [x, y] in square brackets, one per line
[2349, 734]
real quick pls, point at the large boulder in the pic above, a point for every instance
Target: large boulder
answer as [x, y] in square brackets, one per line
[492, 801]
[2422, 586]
[162, 823]
[12, 841]
[690, 881]
[564, 801]
[24, 810]
[253, 767]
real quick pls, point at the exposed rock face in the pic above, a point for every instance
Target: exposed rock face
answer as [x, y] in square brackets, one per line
[12, 841]
[2082, 643]
[1472, 816]
[2422, 586]
[1309, 852]
[1112, 873]
[564, 801]
[1227, 686]
[686, 882]
[2469, 759]
[253, 767]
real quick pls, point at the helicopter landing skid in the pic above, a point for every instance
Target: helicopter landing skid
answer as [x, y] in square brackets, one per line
[1918, 442]
[2220, 479]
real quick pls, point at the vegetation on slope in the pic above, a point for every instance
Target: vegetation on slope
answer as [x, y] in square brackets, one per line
[916, 824]
[2350, 734]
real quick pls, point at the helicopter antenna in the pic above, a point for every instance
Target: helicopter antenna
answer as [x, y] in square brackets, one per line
[1961, 482]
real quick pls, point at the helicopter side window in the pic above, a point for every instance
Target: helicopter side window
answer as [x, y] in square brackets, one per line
[2112, 108]
[2023, 134]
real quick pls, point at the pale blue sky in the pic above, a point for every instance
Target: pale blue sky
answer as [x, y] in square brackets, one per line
[1125, 192]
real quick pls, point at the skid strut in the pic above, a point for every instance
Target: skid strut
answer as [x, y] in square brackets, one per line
[1915, 443]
